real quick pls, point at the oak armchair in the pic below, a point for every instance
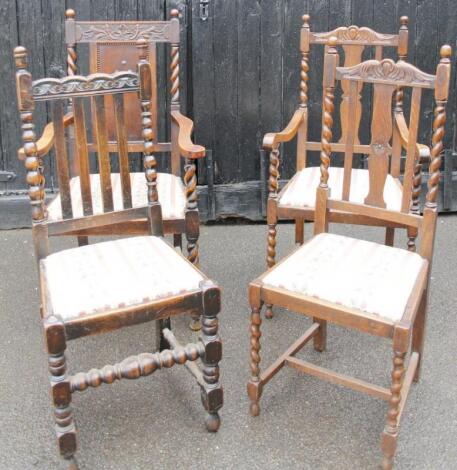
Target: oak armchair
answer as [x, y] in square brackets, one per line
[373, 288]
[112, 48]
[297, 199]
[105, 286]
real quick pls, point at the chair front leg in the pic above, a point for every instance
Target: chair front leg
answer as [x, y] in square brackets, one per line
[60, 386]
[254, 385]
[390, 433]
[211, 392]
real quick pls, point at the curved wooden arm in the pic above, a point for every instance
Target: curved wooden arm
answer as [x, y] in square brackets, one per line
[186, 147]
[272, 139]
[423, 151]
[46, 141]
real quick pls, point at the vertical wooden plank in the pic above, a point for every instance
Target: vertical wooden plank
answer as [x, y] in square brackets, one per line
[63, 174]
[155, 10]
[121, 135]
[203, 82]
[83, 155]
[30, 35]
[319, 12]
[10, 136]
[447, 34]
[293, 12]
[248, 165]
[363, 15]
[340, 14]
[104, 166]
[271, 74]
[226, 79]
[426, 58]
[386, 21]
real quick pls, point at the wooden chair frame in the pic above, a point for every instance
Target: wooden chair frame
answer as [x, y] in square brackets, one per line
[353, 40]
[385, 76]
[203, 301]
[104, 37]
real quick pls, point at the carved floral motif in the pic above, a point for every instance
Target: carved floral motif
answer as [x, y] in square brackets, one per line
[354, 33]
[49, 87]
[387, 70]
[122, 32]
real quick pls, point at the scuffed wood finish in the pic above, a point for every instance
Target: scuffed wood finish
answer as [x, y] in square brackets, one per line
[407, 333]
[202, 300]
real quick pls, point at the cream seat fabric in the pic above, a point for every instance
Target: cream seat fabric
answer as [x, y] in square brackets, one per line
[301, 191]
[363, 275]
[172, 195]
[120, 273]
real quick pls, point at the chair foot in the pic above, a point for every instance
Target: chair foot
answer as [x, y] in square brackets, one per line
[73, 464]
[254, 408]
[161, 342]
[269, 311]
[212, 422]
[195, 323]
[389, 445]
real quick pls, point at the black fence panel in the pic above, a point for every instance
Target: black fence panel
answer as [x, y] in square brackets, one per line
[240, 78]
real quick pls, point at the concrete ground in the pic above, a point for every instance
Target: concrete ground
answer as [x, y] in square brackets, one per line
[157, 422]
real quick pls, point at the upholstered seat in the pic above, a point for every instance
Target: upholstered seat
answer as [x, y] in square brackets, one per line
[301, 191]
[115, 274]
[358, 274]
[172, 195]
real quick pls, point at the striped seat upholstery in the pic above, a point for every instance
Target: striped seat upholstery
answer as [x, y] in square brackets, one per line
[358, 274]
[115, 274]
[301, 190]
[172, 195]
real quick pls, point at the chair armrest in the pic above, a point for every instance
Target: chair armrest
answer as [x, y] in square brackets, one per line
[186, 147]
[273, 139]
[46, 141]
[423, 151]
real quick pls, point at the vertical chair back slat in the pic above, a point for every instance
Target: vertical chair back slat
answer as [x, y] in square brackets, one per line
[60, 146]
[101, 137]
[381, 134]
[411, 154]
[82, 155]
[119, 112]
[350, 138]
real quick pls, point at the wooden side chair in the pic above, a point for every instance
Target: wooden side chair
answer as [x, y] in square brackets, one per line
[297, 199]
[101, 287]
[370, 287]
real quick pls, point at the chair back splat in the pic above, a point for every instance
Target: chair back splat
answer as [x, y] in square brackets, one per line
[86, 91]
[112, 47]
[386, 76]
[354, 41]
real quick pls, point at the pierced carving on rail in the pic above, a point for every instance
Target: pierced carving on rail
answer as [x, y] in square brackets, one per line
[49, 88]
[387, 71]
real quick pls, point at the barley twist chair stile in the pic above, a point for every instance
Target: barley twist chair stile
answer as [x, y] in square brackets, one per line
[297, 199]
[105, 286]
[374, 288]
